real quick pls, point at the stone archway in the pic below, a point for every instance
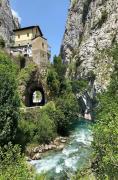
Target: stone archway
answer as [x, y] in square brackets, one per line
[30, 92]
[30, 84]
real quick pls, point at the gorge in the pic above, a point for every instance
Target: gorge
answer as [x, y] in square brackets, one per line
[58, 120]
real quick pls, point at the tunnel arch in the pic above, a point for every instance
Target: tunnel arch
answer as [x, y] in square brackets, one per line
[29, 95]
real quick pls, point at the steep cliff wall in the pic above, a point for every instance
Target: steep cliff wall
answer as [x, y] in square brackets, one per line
[7, 22]
[91, 29]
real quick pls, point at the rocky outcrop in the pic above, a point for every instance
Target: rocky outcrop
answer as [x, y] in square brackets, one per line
[91, 29]
[37, 153]
[7, 22]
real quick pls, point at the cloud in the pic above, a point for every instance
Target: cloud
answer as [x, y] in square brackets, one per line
[15, 14]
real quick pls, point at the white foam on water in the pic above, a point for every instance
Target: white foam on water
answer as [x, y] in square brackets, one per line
[47, 164]
[72, 162]
[69, 151]
[83, 136]
[59, 169]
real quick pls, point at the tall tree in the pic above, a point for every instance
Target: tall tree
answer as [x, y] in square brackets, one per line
[9, 100]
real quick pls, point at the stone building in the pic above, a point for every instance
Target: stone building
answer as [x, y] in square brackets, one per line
[30, 43]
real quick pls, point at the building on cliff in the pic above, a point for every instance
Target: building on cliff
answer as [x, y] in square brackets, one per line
[30, 43]
[7, 23]
[27, 42]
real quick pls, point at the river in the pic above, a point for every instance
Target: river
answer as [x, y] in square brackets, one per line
[73, 157]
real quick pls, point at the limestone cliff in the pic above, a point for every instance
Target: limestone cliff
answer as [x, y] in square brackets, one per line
[7, 22]
[91, 29]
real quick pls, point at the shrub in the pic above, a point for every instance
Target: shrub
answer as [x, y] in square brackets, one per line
[79, 85]
[45, 131]
[91, 76]
[65, 87]
[13, 165]
[37, 126]
[25, 133]
[9, 100]
[26, 74]
[66, 112]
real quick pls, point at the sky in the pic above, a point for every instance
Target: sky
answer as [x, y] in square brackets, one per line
[50, 15]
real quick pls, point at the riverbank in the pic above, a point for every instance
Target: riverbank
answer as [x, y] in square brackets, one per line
[37, 152]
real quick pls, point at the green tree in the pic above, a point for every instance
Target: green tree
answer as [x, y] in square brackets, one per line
[105, 144]
[9, 100]
[53, 83]
[67, 112]
[59, 67]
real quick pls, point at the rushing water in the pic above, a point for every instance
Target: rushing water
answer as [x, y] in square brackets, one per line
[73, 157]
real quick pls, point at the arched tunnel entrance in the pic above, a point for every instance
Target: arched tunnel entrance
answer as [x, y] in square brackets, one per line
[35, 96]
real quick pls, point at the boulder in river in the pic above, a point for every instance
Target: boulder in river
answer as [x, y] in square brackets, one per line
[36, 156]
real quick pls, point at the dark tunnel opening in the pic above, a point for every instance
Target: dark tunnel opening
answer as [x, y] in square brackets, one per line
[35, 96]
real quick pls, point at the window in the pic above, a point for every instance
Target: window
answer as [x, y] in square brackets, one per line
[27, 34]
[43, 45]
[22, 62]
[18, 36]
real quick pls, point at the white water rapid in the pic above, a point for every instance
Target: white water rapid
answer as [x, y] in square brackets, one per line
[73, 157]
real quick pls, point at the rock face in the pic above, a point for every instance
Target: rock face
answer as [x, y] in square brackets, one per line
[91, 29]
[7, 22]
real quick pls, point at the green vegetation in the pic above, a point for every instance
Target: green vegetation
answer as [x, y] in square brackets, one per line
[37, 126]
[42, 125]
[79, 86]
[86, 174]
[106, 130]
[13, 165]
[66, 113]
[26, 73]
[103, 19]
[25, 77]
[56, 81]
[38, 96]
[9, 100]
[91, 76]
[62, 91]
